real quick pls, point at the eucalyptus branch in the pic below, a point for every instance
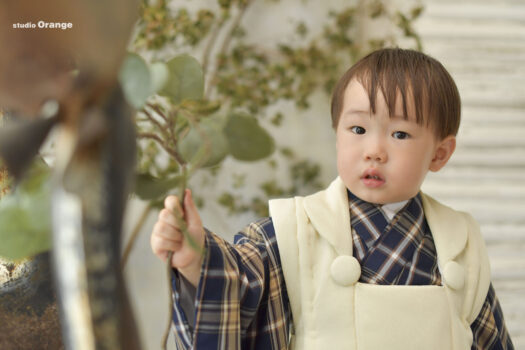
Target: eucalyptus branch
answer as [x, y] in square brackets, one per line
[184, 229]
[167, 130]
[170, 312]
[172, 152]
[226, 44]
[134, 235]
[172, 123]
[152, 119]
[150, 135]
[158, 111]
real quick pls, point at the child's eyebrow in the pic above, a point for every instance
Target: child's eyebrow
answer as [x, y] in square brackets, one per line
[401, 117]
[358, 111]
[368, 113]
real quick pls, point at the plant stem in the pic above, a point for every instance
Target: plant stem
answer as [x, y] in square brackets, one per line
[170, 312]
[158, 111]
[152, 119]
[168, 261]
[172, 124]
[171, 152]
[134, 235]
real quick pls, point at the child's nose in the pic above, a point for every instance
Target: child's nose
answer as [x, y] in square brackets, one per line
[376, 152]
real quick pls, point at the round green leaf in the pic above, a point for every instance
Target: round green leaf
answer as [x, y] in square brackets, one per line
[25, 224]
[186, 79]
[247, 140]
[159, 75]
[204, 145]
[149, 188]
[136, 80]
[21, 237]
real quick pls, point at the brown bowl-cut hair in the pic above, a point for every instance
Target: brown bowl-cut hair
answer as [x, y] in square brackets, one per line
[412, 75]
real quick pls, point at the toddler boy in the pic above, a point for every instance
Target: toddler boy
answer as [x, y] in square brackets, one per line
[369, 263]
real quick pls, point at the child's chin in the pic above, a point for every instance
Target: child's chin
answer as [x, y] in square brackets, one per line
[375, 197]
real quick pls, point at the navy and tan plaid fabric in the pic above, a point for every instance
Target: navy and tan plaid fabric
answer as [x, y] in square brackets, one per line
[241, 301]
[400, 251]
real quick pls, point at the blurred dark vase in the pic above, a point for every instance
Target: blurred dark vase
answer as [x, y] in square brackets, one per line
[29, 317]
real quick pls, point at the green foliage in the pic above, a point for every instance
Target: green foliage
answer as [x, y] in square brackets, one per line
[159, 75]
[304, 176]
[205, 144]
[405, 21]
[148, 187]
[179, 79]
[25, 216]
[135, 79]
[159, 26]
[186, 79]
[189, 122]
[247, 140]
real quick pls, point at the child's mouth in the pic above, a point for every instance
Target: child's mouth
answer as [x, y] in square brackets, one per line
[372, 178]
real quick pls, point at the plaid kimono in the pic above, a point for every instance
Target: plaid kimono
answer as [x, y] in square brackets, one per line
[242, 303]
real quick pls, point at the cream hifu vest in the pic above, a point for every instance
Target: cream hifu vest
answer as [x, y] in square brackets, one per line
[331, 310]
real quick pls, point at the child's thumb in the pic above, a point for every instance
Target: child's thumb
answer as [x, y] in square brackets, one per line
[190, 209]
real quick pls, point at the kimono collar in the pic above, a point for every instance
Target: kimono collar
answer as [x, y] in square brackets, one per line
[329, 213]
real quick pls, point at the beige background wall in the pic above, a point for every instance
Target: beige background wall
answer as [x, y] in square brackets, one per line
[482, 44]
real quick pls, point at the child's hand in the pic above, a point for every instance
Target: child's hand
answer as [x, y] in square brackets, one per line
[167, 236]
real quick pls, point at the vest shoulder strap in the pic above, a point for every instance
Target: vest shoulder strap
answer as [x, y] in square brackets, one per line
[478, 282]
[284, 217]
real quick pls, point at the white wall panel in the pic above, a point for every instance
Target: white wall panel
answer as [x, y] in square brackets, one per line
[482, 43]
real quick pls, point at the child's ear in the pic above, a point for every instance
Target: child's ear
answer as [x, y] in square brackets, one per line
[443, 152]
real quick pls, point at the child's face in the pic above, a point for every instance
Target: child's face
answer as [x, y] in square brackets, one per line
[382, 159]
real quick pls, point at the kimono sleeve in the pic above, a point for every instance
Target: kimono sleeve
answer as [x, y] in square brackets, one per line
[241, 299]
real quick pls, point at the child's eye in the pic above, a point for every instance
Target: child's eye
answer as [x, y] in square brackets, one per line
[357, 130]
[400, 135]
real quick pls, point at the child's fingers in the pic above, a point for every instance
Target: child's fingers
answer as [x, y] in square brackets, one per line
[172, 210]
[166, 216]
[190, 212]
[172, 203]
[167, 231]
[161, 246]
